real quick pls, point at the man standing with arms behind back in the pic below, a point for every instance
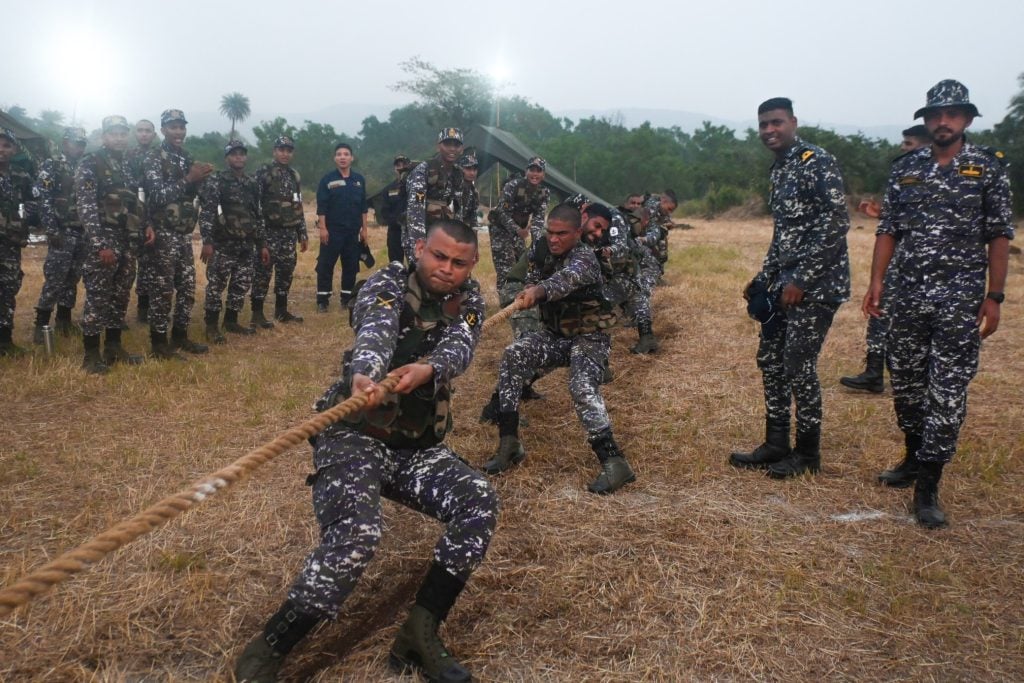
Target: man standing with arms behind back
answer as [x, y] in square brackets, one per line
[948, 206]
[806, 274]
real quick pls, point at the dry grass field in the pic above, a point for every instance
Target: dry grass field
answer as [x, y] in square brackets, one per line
[695, 572]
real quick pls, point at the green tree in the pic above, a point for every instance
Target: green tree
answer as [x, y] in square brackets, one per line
[235, 106]
[453, 97]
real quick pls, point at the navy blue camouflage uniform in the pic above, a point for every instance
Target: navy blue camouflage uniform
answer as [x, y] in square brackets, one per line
[392, 214]
[808, 249]
[433, 192]
[522, 206]
[942, 219]
[231, 220]
[281, 199]
[385, 452]
[656, 236]
[15, 191]
[58, 213]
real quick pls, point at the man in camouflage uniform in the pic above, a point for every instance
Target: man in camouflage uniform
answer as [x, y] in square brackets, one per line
[281, 199]
[565, 280]
[433, 188]
[659, 208]
[392, 208]
[112, 215]
[520, 213]
[231, 224]
[806, 273]
[145, 135]
[15, 197]
[421, 327]
[948, 207]
[872, 379]
[469, 199]
[172, 181]
[62, 270]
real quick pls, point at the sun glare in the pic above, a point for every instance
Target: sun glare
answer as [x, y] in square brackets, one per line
[82, 68]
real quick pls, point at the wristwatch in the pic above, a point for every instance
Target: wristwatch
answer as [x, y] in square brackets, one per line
[996, 296]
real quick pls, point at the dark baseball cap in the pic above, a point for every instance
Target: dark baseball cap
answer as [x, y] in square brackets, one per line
[401, 159]
[537, 162]
[284, 141]
[450, 134]
[233, 145]
[10, 135]
[172, 116]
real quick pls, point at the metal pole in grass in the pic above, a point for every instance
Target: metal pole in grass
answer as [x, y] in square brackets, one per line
[121, 534]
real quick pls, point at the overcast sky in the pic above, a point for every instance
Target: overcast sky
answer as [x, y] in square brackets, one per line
[864, 63]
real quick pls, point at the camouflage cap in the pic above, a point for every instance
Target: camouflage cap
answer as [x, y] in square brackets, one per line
[468, 160]
[578, 200]
[233, 145]
[9, 134]
[401, 159]
[947, 93]
[284, 141]
[450, 134]
[75, 135]
[172, 116]
[537, 162]
[115, 121]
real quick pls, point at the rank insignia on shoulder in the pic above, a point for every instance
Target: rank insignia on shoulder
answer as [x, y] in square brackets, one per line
[614, 232]
[386, 303]
[806, 155]
[909, 180]
[472, 319]
[972, 171]
[421, 196]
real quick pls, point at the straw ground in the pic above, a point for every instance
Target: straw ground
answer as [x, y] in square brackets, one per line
[695, 572]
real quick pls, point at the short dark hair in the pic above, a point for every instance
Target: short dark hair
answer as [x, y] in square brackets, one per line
[567, 213]
[776, 103]
[920, 131]
[457, 230]
[596, 210]
[343, 145]
[671, 194]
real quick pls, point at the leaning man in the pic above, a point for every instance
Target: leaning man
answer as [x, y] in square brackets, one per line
[422, 328]
[805, 276]
[948, 207]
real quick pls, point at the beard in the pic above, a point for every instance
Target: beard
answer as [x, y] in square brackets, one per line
[947, 142]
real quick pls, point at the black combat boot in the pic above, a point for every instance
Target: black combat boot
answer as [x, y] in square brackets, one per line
[529, 393]
[904, 474]
[231, 324]
[142, 311]
[258, 319]
[160, 349]
[93, 361]
[774, 448]
[417, 645]
[42, 320]
[926, 496]
[7, 345]
[281, 313]
[647, 343]
[489, 415]
[805, 457]
[180, 340]
[64, 326]
[262, 657]
[872, 379]
[606, 372]
[113, 352]
[323, 303]
[615, 471]
[510, 449]
[213, 333]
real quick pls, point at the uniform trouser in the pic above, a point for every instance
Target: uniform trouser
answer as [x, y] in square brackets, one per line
[62, 270]
[10, 280]
[878, 328]
[342, 243]
[281, 242]
[933, 356]
[650, 269]
[395, 251]
[585, 355]
[107, 289]
[170, 267]
[788, 361]
[353, 472]
[506, 249]
[230, 267]
[635, 298]
[144, 277]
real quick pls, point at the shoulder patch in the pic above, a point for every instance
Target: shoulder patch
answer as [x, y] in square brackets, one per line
[421, 196]
[806, 155]
[384, 302]
[614, 232]
[472, 319]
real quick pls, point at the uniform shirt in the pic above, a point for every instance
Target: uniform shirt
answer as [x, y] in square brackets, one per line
[392, 203]
[376, 316]
[575, 269]
[91, 184]
[943, 218]
[810, 223]
[56, 182]
[279, 182]
[658, 224]
[467, 204]
[229, 188]
[15, 189]
[342, 200]
[522, 205]
[420, 190]
[136, 159]
[164, 171]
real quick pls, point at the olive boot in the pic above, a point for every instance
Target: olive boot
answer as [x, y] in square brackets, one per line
[647, 343]
[872, 379]
[258, 319]
[904, 474]
[262, 657]
[774, 448]
[510, 449]
[615, 471]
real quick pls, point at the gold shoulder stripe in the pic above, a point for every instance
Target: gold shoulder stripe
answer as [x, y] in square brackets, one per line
[807, 155]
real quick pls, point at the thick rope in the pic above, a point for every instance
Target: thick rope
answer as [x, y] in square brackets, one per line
[95, 549]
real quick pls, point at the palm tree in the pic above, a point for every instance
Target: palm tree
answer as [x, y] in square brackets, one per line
[235, 106]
